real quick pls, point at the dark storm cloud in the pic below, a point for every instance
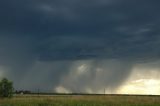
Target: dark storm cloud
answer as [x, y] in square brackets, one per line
[55, 34]
[100, 28]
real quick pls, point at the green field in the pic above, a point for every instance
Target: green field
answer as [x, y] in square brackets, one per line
[82, 100]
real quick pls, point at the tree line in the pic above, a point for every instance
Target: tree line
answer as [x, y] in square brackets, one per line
[6, 88]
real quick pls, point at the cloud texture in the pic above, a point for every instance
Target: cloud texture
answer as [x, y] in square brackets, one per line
[81, 45]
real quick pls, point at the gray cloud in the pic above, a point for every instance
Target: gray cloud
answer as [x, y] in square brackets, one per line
[40, 41]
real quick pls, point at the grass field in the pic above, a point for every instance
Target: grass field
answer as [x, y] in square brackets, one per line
[82, 100]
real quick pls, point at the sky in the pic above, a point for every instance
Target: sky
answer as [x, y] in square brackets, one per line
[81, 46]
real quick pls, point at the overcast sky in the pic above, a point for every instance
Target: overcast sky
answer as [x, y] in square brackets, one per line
[77, 45]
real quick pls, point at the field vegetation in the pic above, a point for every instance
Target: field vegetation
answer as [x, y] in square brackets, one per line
[81, 100]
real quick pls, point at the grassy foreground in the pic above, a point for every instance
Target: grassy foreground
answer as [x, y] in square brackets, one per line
[82, 101]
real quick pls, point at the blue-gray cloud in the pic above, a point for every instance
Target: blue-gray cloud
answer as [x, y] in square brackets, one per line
[51, 31]
[85, 29]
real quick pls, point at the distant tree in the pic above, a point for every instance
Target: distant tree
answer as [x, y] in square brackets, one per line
[6, 88]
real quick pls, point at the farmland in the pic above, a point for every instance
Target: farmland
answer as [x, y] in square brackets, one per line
[81, 100]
